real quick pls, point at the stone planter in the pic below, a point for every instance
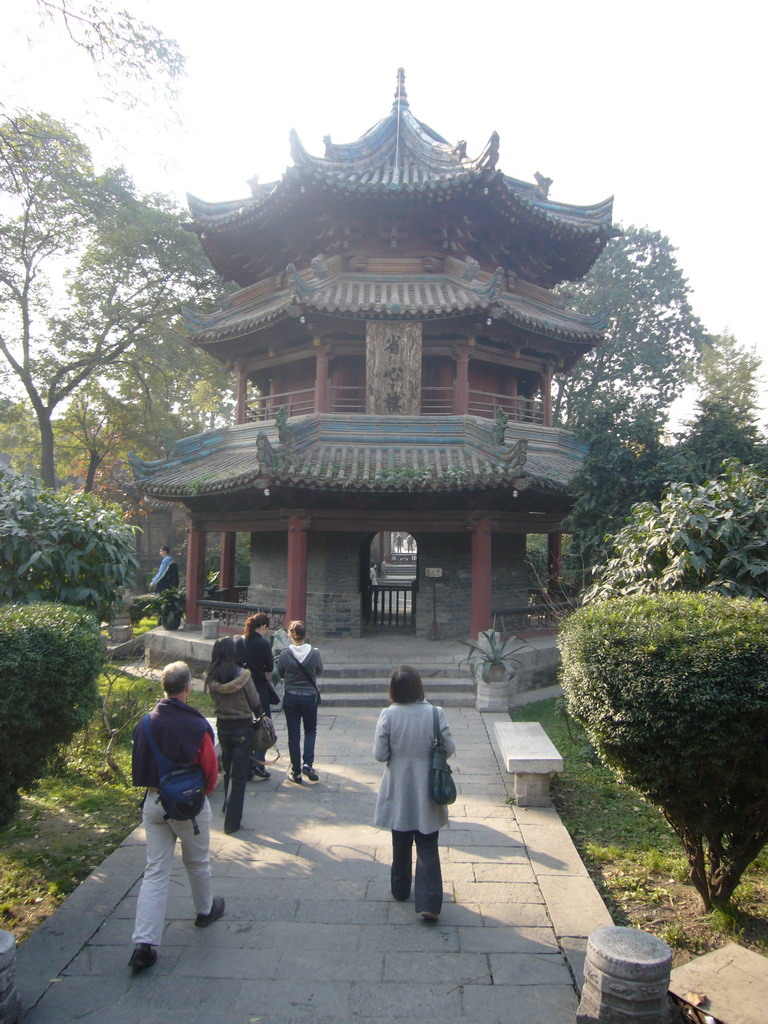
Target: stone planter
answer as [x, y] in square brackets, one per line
[492, 687]
[210, 629]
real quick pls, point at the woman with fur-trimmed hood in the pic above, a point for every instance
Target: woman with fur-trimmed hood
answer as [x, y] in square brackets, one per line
[236, 700]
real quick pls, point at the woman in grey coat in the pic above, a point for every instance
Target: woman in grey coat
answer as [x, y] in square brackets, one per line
[404, 735]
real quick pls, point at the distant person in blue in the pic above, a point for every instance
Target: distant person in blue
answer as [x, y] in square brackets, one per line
[168, 574]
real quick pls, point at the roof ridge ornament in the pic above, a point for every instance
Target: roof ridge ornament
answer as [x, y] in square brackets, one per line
[296, 282]
[401, 97]
[543, 183]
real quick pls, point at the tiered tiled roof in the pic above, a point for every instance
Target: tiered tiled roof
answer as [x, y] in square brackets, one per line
[365, 454]
[459, 290]
[400, 157]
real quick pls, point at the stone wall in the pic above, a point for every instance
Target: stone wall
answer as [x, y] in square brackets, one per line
[333, 583]
[452, 553]
[269, 560]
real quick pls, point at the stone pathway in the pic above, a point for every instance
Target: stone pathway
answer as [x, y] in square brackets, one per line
[311, 932]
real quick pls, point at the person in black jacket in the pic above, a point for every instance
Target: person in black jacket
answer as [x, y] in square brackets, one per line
[255, 653]
[300, 665]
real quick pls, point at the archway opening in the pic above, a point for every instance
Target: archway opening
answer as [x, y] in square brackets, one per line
[389, 581]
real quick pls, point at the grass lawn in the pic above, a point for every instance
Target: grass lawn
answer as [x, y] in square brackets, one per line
[76, 816]
[635, 858]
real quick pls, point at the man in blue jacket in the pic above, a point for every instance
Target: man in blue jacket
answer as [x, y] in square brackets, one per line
[185, 738]
[167, 574]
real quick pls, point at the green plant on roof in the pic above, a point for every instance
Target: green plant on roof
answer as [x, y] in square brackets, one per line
[407, 475]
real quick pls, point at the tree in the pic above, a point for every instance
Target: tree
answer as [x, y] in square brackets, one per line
[673, 692]
[699, 537]
[652, 337]
[88, 270]
[626, 462]
[62, 546]
[126, 52]
[725, 425]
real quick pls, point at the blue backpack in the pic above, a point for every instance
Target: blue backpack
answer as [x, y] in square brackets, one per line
[182, 788]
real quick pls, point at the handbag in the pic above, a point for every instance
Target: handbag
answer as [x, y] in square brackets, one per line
[264, 735]
[441, 785]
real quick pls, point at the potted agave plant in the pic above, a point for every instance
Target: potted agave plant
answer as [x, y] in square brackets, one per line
[492, 662]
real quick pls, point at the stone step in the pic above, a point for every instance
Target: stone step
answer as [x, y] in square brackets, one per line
[370, 698]
[380, 669]
[351, 685]
[371, 691]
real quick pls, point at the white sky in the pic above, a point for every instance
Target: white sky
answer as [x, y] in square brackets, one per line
[661, 104]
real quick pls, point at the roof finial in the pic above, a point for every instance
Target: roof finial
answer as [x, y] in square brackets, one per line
[401, 99]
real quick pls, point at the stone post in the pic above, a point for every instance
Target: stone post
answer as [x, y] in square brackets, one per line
[10, 1002]
[626, 978]
[122, 629]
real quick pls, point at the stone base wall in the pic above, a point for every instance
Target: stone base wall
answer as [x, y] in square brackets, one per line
[334, 577]
[509, 577]
[333, 584]
[269, 562]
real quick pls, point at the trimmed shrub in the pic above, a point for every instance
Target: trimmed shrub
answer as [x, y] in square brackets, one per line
[50, 659]
[673, 692]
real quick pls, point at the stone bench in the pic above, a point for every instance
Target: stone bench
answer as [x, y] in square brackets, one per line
[530, 755]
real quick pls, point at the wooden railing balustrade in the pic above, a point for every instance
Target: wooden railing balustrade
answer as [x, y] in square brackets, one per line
[435, 401]
[232, 614]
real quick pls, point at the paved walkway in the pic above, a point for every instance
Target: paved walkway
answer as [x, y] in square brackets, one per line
[311, 932]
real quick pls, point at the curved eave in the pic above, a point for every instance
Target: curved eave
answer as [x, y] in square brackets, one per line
[387, 299]
[353, 455]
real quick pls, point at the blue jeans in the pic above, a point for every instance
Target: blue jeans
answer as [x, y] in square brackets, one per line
[301, 709]
[235, 741]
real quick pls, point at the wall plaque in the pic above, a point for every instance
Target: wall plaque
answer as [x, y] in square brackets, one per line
[393, 368]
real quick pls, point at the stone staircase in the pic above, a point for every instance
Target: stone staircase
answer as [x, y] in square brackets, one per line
[357, 674]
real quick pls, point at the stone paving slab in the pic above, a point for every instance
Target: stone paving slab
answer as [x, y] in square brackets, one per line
[311, 932]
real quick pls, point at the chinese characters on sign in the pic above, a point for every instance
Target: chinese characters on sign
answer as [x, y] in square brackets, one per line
[393, 368]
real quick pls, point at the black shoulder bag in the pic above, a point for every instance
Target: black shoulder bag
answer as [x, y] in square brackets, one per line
[441, 784]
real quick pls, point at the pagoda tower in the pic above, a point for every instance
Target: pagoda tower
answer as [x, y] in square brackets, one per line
[394, 335]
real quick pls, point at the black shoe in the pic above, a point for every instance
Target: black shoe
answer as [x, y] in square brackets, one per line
[295, 777]
[216, 911]
[429, 917]
[310, 772]
[143, 956]
[259, 772]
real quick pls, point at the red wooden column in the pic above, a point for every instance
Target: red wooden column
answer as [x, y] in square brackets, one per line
[321, 377]
[195, 574]
[546, 395]
[227, 564]
[554, 557]
[242, 395]
[296, 590]
[461, 394]
[480, 594]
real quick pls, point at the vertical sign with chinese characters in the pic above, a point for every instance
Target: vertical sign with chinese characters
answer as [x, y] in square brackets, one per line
[393, 368]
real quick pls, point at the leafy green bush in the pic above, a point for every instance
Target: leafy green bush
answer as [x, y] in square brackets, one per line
[50, 658]
[61, 546]
[144, 606]
[673, 692]
[699, 537]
